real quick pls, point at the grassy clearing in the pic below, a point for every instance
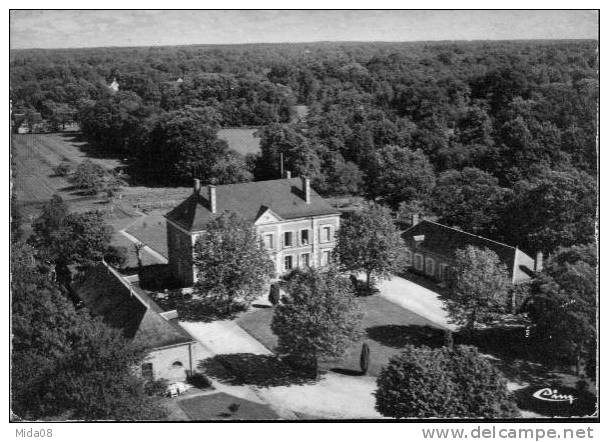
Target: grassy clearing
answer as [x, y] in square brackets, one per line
[151, 230]
[241, 140]
[221, 406]
[388, 328]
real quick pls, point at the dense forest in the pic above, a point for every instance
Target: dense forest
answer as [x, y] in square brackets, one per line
[496, 138]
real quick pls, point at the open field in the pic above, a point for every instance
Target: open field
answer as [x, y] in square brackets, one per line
[241, 140]
[36, 155]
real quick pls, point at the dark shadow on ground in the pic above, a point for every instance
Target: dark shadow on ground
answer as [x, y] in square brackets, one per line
[252, 369]
[156, 277]
[262, 306]
[347, 372]
[397, 336]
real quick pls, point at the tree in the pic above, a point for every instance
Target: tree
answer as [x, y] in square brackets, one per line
[364, 358]
[320, 319]
[231, 262]
[368, 241]
[442, 383]
[478, 288]
[63, 169]
[89, 177]
[66, 238]
[182, 143]
[300, 156]
[564, 306]
[232, 168]
[555, 208]
[64, 363]
[398, 174]
[470, 199]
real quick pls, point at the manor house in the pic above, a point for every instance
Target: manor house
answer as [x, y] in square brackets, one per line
[296, 225]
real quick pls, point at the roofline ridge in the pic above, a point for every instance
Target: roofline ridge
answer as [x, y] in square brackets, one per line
[471, 234]
[253, 182]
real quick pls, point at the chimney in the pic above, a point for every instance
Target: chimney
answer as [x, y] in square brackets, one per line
[539, 262]
[212, 198]
[414, 219]
[306, 189]
[288, 174]
[196, 187]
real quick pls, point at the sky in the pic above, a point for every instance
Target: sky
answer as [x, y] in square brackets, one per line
[91, 28]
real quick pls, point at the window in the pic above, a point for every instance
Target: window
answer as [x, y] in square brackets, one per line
[177, 364]
[304, 237]
[429, 266]
[408, 258]
[418, 261]
[268, 241]
[326, 234]
[147, 372]
[442, 271]
[287, 239]
[304, 260]
[288, 263]
[325, 258]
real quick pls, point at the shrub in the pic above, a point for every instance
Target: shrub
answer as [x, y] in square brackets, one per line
[157, 387]
[62, 169]
[89, 177]
[199, 380]
[364, 358]
[274, 294]
[424, 382]
[116, 256]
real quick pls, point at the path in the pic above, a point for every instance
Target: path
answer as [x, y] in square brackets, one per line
[224, 337]
[416, 298]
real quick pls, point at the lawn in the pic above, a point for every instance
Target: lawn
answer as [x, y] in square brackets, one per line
[388, 328]
[152, 231]
[221, 406]
[241, 140]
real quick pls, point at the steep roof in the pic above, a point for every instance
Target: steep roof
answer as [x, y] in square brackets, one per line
[445, 241]
[284, 197]
[127, 308]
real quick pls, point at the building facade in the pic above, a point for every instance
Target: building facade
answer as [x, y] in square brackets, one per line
[297, 226]
[431, 247]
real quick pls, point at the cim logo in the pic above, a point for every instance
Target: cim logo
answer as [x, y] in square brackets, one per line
[549, 395]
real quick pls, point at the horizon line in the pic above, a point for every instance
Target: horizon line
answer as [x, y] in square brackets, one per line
[63, 48]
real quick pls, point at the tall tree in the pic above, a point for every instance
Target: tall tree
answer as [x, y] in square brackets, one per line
[299, 155]
[478, 288]
[398, 174]
[320, 319]
[552, 209]
[369, 241]
[564, 305]
[182, 143]
[66, 238]
[232, 264]
[470, 199]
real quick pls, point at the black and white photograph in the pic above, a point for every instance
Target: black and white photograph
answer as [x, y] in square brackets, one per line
[304, 215]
